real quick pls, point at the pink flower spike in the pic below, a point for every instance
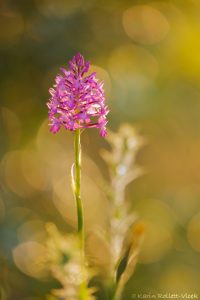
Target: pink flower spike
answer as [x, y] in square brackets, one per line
[77, 99]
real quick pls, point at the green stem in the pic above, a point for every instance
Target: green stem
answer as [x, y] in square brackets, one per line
[79, 206]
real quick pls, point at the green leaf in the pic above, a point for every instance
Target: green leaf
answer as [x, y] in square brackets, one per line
[129, 257]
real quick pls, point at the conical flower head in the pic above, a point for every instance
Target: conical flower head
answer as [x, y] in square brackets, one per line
[77, 99]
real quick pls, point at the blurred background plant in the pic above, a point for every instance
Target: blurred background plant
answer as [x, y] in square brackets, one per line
[147, 52]
[122, 237]
[67, 265]
[125, 232]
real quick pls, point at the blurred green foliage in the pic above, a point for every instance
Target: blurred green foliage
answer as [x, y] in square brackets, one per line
[147, 52]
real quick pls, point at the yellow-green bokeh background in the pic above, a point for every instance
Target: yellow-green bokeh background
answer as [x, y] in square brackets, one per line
[148, 54]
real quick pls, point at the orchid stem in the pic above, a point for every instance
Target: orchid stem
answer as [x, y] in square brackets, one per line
[77, 192]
